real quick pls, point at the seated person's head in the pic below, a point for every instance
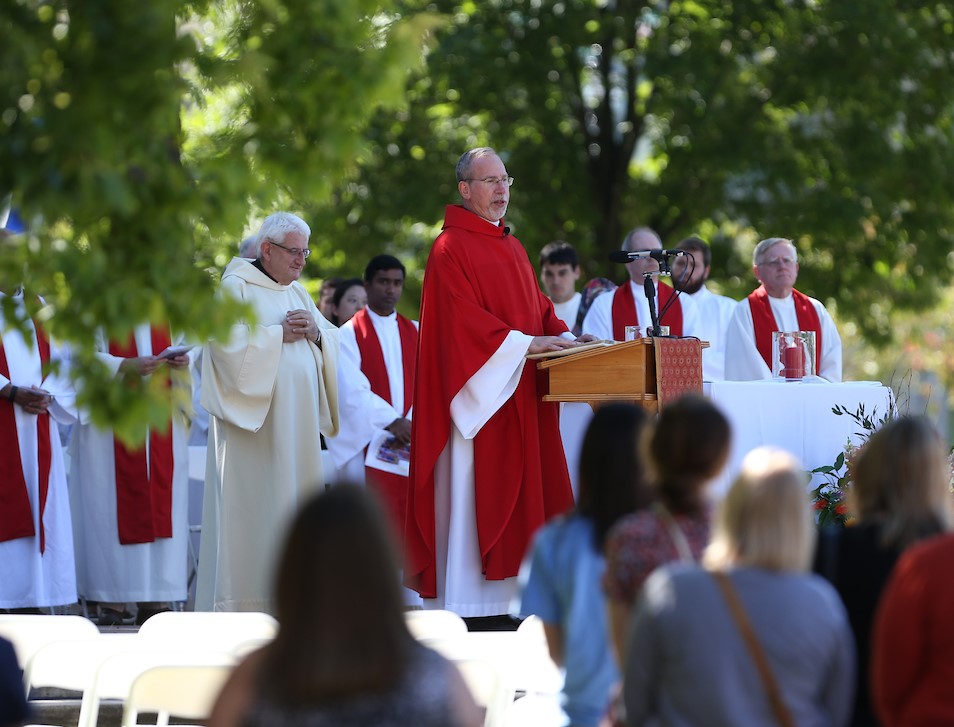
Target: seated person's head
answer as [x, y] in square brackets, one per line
[688, 447]
[765, 520]
[559, 270]
[613, 478]
[338, 600]
[901, 479]
[349, 298]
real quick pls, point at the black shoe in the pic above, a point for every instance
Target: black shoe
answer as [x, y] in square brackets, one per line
[110, 617]
[144, 614]
[502, 622]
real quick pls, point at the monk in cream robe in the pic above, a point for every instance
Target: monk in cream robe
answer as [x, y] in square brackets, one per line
[268, 397]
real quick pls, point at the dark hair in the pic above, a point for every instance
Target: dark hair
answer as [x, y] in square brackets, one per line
[338, 603]
[612, 475]
[383, 262]
[346, 285]
[559, 252]
[697, 244]
[334, 282]
[688, 447]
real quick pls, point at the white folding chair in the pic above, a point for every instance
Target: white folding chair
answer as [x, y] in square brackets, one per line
[426, 624]
[115, 676]
[187, 692]
[29, 632]
[488, 687]
[72, 663]
[209, 630]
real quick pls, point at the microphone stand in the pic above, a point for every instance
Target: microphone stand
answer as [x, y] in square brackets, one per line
[651, 299]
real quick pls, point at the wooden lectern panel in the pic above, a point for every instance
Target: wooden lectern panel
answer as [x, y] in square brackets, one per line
[622, 371]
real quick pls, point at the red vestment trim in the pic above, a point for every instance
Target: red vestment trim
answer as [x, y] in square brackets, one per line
[624, 310]
[144, 486]
[764, 324]
[479, 286]
[391, 488]
[16, 514]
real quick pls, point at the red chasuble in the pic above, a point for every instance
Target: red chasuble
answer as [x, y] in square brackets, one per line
[478, 286]
[390, 487]
[764, 324]
[624, 310]
[16, 514]
[144, 483]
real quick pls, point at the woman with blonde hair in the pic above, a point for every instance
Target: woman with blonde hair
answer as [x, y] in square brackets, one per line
[749, 637]
[899, 496]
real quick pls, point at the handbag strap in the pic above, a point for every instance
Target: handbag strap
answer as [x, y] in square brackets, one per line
[678, 537]
[755, 649]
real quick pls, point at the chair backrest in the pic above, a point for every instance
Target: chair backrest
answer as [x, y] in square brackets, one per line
[210, 630]
[488, 687]
[426, 624]
[28, 632]
[116, 674]
[185, 691]
[72, 663]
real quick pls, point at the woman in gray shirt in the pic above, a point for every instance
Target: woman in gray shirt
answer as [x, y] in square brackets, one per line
[687, 662]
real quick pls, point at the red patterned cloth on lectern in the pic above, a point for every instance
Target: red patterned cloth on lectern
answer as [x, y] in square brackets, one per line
[678, 368]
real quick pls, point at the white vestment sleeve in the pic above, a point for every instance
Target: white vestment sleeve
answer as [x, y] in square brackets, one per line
[830, 364]
[489, 388]
[743, 362]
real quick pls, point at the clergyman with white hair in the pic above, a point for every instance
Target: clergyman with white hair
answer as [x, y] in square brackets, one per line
[269, 390]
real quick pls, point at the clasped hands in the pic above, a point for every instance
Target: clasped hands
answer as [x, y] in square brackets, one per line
[32, 399]
[299, 324]
[145, 365]
[542, 344]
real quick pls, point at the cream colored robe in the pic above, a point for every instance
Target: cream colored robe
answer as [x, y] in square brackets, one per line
[267, 401]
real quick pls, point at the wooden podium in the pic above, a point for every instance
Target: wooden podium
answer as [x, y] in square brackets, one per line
[646, 371]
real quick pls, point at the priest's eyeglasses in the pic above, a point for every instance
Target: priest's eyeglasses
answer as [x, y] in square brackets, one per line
[494, 181]
[778, 262]
[293, 251]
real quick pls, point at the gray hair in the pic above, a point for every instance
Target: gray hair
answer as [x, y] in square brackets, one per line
[276, 226]
[469, 157]
[764, 520]
[249, 247]
[765, 245]
[639, 231]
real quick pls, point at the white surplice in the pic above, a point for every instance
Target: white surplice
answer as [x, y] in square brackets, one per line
[29, 579]
[599, 318]
[715, 312]
[743, 362]
[267, 401]
[568, 310]
[364, 413]
[106, 570]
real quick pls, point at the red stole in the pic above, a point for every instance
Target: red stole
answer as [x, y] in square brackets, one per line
[144, 488]
[478, 286]
[764, 324]
[16, 514]
[624, 310]
[390, 487]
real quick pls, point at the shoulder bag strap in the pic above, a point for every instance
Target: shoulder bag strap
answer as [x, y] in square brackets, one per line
[675, 532]
[755, 649]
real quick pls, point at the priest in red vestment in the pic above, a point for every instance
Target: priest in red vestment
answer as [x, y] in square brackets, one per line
[487, 463]
[776, 306]
[609, 315]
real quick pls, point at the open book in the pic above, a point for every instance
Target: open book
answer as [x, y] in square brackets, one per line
[572, 350]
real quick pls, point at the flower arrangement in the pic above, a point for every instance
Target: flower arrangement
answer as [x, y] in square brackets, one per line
[830, 499]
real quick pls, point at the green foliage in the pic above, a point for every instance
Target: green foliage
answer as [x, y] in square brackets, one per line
[829, 122]
[136, 138]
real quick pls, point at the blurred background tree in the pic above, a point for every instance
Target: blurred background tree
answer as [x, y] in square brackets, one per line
[139, 140]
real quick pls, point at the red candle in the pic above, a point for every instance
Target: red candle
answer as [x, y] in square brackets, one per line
[793, 360]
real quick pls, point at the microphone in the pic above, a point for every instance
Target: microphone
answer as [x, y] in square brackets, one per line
[621, 256]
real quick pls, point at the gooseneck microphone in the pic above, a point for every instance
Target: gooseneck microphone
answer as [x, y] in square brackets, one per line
[622, 256]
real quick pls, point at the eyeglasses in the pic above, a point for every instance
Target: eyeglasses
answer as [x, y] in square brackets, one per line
[493, 181]
[293, 251]
[778, 262]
